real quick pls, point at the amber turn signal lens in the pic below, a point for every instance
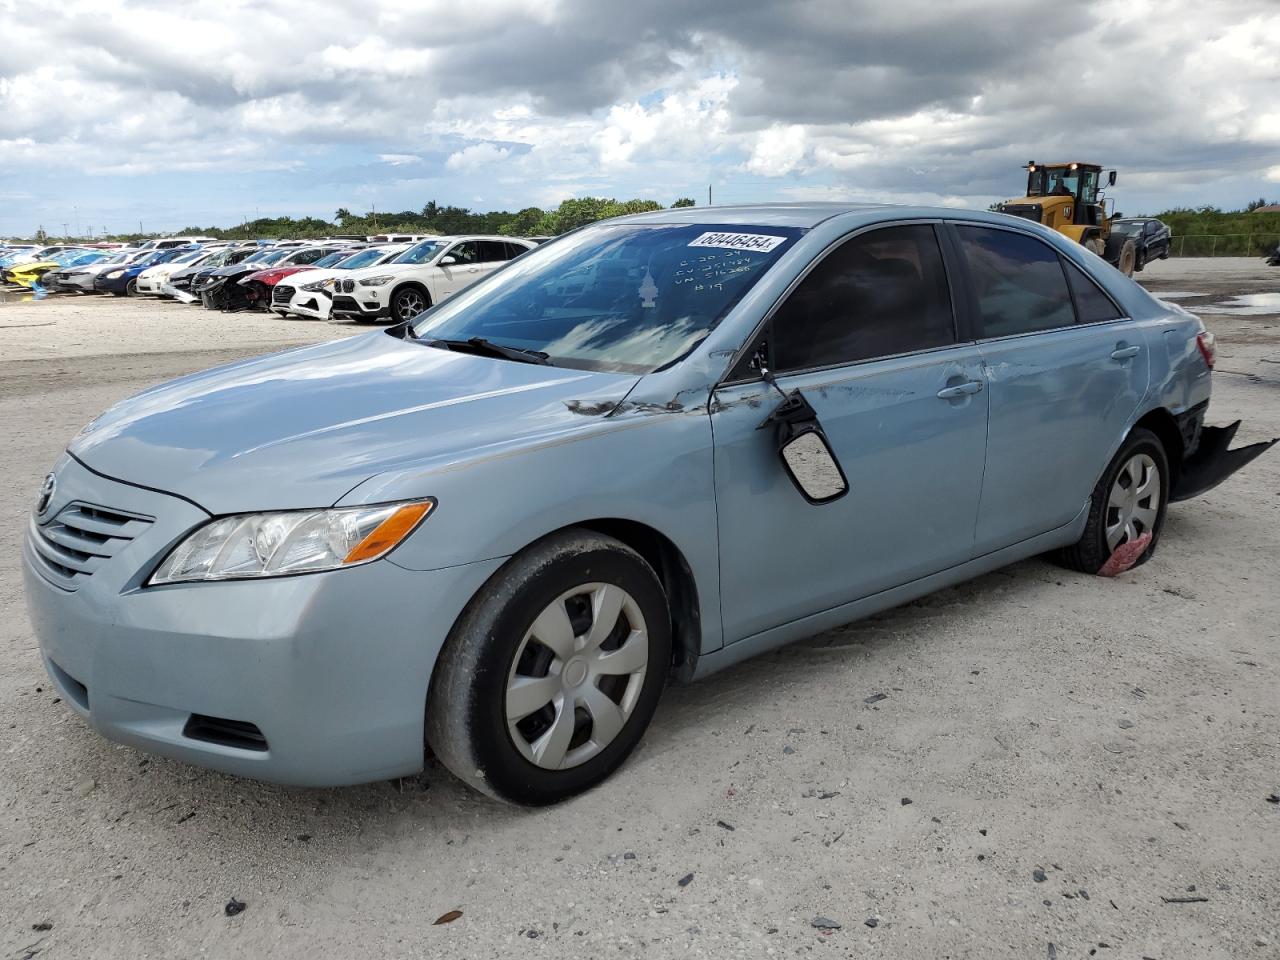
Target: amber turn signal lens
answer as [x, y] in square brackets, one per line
[389, 532]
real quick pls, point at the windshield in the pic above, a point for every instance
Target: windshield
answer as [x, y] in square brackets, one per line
[626, 297]
[421, 252]
[266, 259]
[330, 260]
[1130, 227]
[190, 257]
[365, 258]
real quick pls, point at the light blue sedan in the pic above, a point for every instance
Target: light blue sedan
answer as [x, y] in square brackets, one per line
[647, 449]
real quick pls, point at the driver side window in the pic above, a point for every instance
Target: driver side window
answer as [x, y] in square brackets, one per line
[879, 294]
[466, 252]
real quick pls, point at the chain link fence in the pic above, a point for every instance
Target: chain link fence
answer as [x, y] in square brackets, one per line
[1224, 244]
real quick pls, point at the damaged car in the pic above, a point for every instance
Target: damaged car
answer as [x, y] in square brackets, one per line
[645, 451]
[238, 287]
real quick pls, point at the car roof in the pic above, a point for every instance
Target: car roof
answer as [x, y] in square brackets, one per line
[784, 214]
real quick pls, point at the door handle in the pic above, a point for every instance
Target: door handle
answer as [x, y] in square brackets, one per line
[960, 390]
[1124, 353]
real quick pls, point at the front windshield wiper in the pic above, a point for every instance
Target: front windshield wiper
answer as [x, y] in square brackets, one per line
[481, 345]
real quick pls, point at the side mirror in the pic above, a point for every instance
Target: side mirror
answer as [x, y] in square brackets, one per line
[805, 452]
[1111, 178]
[448, 261]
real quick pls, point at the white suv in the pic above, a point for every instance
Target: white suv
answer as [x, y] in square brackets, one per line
[425, 274]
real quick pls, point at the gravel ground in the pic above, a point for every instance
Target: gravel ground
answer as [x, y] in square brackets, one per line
[1053, 755]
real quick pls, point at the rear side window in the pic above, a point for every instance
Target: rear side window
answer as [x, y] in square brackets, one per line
[1092, 305]
[1018, 282]
[879, 294]
[514, 250]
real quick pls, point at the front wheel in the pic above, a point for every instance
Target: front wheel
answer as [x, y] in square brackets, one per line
[407, 303]
[553, 672]
[1128, 501]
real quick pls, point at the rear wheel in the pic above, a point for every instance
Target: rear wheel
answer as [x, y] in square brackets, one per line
[1128, 501]
[551, 676]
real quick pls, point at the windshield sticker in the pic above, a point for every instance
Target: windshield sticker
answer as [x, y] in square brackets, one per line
[738, 241]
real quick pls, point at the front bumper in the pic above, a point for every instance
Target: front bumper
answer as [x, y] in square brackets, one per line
[361, 303]
[307, 303]
[113, 285]
[330, 669]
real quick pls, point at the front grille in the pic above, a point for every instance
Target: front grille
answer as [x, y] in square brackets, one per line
[80, 539]
[345, 305]
[346, 286]
[282, 293]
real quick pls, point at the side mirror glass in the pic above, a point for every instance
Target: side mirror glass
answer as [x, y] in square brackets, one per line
[448, 261]
[805, 451]
[1111, 178]
[813, 467]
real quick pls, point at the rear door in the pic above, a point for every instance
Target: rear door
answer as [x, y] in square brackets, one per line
[869, 338]
[1065, 371]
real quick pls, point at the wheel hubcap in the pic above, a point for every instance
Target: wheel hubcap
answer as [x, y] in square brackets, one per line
[1134, 503]
[577, 675]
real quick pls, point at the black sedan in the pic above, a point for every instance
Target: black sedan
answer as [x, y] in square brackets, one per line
[1152, 236]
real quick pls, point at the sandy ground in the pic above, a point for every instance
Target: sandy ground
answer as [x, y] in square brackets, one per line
[1122, 736]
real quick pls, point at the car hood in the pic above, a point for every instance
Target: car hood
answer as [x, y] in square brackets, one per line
[381, 271]
[314, 276]
[302, 428]
[273, 275]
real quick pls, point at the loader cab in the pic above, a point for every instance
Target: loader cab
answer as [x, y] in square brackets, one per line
[1071, 189]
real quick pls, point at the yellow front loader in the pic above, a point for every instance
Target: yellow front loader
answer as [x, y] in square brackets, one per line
[1068, 197]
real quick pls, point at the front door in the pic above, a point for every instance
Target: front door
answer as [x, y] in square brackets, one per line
[463, 269]
[869, 337]
[1065, 370]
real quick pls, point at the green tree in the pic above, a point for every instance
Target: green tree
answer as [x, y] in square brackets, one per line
[1255, 204]
[684, 202]
[342, 215]
[525, 223]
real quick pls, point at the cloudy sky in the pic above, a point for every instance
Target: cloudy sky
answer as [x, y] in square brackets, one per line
[207, 111]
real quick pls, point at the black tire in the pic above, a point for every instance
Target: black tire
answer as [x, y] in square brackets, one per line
[1121, 253]
[466, 721]
[407, 302]
[131, 288]
[1139, 262]
[1090, 552]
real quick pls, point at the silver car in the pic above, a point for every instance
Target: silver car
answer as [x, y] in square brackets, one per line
[647, 449]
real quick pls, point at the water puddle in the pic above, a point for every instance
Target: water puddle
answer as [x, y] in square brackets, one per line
[1245, 305]
[1175, 294]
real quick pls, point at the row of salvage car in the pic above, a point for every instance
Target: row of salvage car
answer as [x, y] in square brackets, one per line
[376, 279]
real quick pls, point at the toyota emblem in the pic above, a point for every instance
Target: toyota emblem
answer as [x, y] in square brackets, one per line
[46, 494]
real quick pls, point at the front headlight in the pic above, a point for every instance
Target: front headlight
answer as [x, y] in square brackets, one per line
[375, 281]
[113, 274]
[316, 287]
[296, 541]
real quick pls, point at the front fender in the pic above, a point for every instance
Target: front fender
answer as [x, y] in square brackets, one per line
[652, 468]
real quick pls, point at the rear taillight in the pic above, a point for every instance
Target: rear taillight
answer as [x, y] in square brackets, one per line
[1205, 342]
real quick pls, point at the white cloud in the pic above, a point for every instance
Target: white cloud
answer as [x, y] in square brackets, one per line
[475, 156]
[778, 150]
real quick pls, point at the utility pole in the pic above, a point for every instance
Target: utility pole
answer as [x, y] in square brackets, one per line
[65, 234]
[139, 226]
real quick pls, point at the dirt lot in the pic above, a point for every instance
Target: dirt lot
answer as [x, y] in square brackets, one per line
[1122, 736]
